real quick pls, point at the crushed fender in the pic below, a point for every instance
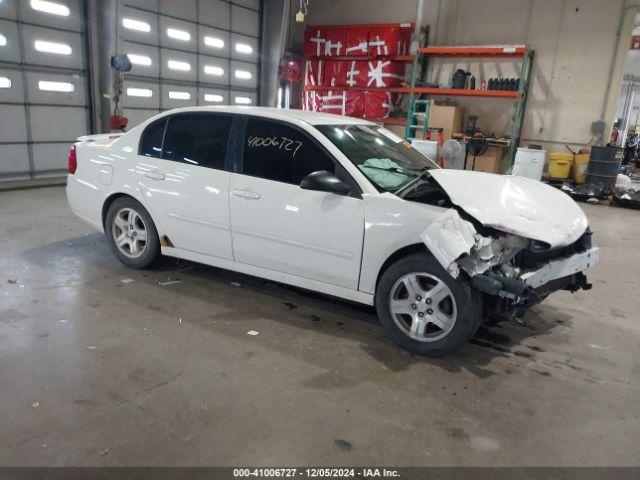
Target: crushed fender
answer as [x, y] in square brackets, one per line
[448, 237]
[457, 245]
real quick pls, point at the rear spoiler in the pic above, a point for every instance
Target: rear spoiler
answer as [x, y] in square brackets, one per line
[100, 137]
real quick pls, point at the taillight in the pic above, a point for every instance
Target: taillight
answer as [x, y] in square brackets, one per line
[73, 161]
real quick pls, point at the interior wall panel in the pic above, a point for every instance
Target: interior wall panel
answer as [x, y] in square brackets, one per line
[34, 36]
[11, 51]
[186, 9]
[72, 21]
[44, 105]
[176, 96]
[38, 95]
[14, 160]
[172, 59]
[238, 42]
[8, 9]
[245, 21]
[13, 124]
[50, 158]
[42, 118]
[14, 93]
[149, 55]
[215, 13]
[198, 56]
[137, 116]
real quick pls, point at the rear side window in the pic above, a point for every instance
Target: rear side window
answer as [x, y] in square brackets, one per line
[198, 139]
[151, 140]
[278, 152]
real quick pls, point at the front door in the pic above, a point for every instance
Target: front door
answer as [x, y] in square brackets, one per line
[185, 180]
[277, 225]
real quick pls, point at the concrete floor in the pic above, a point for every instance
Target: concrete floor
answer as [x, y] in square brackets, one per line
[94, 371]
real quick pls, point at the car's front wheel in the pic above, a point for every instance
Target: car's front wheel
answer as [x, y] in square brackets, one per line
[424, 309]
[132, 235]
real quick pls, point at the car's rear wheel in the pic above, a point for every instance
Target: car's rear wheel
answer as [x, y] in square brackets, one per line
[424, 309]
[132, 235]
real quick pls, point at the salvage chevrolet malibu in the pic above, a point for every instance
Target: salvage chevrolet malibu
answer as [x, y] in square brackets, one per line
[332, 204]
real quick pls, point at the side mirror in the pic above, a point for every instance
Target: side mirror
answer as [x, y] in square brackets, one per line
[323, 181]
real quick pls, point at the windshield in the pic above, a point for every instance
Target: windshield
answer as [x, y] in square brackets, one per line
[386, 159]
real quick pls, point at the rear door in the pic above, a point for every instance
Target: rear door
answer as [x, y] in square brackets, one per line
[279, 226]
[182, 172]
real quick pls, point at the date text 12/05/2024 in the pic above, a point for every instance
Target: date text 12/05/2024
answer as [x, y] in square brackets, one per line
[315, 473]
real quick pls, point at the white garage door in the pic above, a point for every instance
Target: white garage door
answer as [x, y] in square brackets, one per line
[189, 52]
[44, 103]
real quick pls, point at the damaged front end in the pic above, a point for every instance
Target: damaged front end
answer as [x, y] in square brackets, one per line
[512, 272]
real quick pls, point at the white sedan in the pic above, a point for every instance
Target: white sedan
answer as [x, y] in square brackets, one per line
[333, 204]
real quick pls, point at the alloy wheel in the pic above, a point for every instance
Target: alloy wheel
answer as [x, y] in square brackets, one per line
[129, 232]
[423, 306]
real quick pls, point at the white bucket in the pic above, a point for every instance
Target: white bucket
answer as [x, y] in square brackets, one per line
[428, 148]
[529, 163]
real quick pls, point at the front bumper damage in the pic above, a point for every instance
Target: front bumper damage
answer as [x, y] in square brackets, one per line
[513, 273]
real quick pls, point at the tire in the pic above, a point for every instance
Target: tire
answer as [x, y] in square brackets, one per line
[131, 233]
[441, 314]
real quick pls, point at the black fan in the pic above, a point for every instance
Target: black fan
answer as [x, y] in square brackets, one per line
[477, 145]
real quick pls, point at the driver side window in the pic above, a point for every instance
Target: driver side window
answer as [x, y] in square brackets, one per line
[275, 151]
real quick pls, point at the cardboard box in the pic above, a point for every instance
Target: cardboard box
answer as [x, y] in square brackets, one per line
[449, 118]
[491, 162]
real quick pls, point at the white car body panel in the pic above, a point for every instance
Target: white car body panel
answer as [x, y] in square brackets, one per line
[329, 243]
[562, 267]
[309, 234]
[517, 205]
[178, 193]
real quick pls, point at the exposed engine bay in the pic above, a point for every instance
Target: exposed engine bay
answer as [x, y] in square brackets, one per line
[512, 272]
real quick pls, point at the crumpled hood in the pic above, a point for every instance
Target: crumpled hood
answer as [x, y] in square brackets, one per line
[517, 205]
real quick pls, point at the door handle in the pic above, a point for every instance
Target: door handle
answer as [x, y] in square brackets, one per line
[249, 195]
[155, 175]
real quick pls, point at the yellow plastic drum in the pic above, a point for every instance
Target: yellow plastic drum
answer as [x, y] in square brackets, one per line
[560, 164]
[580, 163]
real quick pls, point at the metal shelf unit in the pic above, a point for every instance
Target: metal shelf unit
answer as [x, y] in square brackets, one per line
[520, 96]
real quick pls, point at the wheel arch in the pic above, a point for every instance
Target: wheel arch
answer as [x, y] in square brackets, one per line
[401, 253]
[107, 203]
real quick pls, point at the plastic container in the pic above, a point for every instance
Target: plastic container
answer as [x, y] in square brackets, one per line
[604, 163]
[580, 162]
[560, 165]
[428, 148]
[529, 163]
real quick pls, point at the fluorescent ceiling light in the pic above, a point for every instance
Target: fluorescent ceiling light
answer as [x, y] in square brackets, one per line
[139, 59]
[213, 97]
[52, 47]
[177, 65]
[174, 95]
[138, 25]
[139, 92]
[50, 7]
[178, 34]
[5, 82]
[3, 40]
[242, 100]
[47, 86]
[243, 74]
[214, 42]
[243, 48]
[211, 70]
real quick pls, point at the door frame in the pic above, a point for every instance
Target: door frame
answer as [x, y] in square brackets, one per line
[238, 161]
